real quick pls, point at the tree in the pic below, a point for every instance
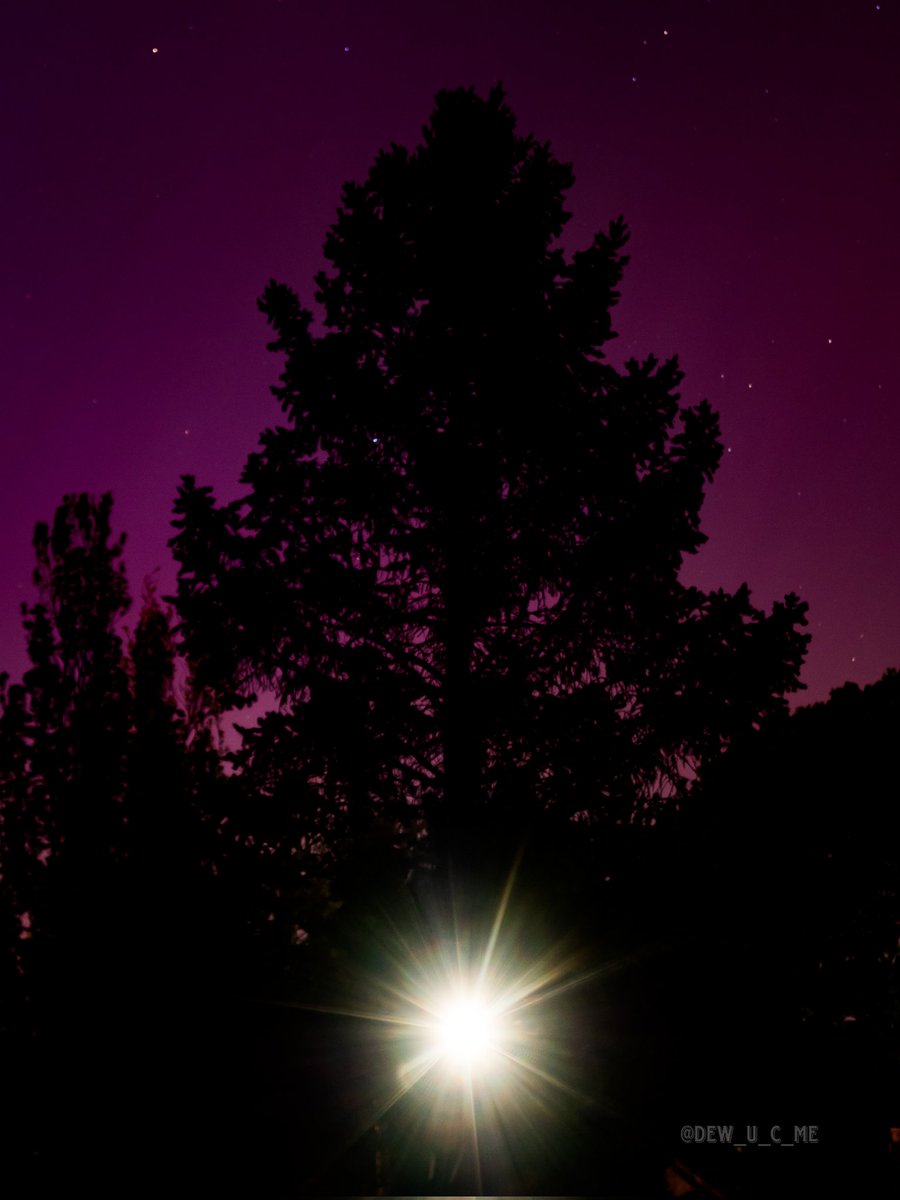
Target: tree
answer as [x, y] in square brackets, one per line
[768, 915]
[105, 763]
[106, 849]
[457, 561]
[826, 920]
[65, 727]
[64, 734]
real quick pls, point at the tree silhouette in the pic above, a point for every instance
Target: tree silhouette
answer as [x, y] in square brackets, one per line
[771, 906]
[826, 920]
[457, 561]
[66, 728]
[105, 847]
[63, 775]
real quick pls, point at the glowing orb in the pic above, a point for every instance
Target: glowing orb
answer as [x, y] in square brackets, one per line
[466, 1033]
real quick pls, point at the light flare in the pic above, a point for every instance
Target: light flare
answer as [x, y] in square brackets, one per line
[474, 1029]
[467, 1033]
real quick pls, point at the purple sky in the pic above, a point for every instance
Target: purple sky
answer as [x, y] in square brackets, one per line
[752, 147]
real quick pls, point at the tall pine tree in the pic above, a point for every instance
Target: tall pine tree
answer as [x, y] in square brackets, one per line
[457, 560]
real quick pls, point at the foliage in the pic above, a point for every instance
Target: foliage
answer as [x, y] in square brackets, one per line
[102, 769]
[800, 827]
[456, 564]
[65, 727]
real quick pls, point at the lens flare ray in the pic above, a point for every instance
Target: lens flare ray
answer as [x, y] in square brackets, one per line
[474, 1027]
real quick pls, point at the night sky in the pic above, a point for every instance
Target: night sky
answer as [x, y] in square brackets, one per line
[162, 161]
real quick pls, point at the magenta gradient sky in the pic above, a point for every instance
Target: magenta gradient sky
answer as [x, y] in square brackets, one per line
[752, 147]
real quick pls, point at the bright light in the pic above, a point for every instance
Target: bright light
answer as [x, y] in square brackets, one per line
[466, 1033]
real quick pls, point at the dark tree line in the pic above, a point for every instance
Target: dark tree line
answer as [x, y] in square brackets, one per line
[106, 765]
[102, 762]
[455, 576]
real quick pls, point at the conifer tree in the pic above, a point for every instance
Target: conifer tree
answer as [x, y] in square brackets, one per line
[457, 560]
